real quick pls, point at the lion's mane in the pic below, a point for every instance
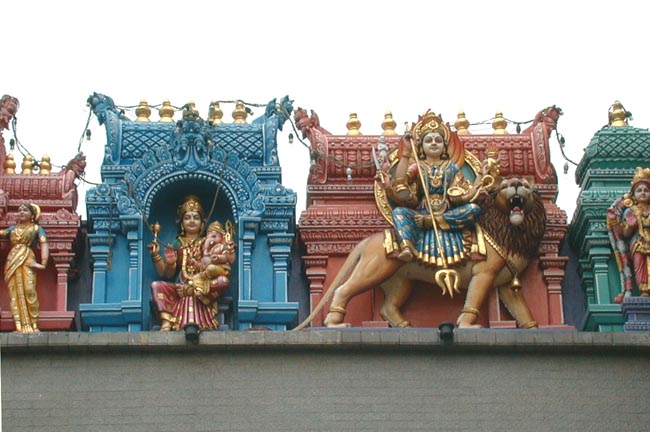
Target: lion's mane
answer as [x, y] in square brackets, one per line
[521, 240]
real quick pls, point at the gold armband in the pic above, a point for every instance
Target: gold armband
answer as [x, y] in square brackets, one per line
[402, 193]
[156, 258]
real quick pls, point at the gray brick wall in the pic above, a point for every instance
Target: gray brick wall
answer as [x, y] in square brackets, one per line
[380, 380]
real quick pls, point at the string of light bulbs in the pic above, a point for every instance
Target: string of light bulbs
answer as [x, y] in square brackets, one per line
[314, 153]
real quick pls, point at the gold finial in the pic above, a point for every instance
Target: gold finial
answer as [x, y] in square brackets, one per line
[462, 124]
[353, 125]
[28, 164]
[46, 166]
[388, 125]
[499, 124]
[10, 164]
[143, 111]
[216, 113]
[239, 114]
[166, 112]
[618, 115]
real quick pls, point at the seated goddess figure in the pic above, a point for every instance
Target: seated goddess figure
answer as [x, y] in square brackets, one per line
[195, 269]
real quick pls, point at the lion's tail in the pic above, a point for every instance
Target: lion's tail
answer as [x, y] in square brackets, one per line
[343, 274]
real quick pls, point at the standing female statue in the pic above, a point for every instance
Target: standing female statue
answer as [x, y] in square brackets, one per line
[195, 273]
[628, 223]
[20, 276]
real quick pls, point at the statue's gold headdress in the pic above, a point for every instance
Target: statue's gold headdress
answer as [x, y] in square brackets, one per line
[430, 122]
[641, 175]
[216, 226]
[191, 203]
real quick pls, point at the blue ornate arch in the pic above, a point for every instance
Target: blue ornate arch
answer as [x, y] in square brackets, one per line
[143, 161]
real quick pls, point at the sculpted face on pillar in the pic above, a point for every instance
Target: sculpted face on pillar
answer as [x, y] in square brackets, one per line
[8, 108]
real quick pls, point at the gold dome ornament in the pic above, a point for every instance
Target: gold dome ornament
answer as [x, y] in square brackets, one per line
[46, 166]
[215, 114]
[618, 115]
[27, 165]
[10, 164]
[353, 125]
[143, 111]
[388, 125]
[499, 124]
[166, 112]
[239, 114]
[462, 124]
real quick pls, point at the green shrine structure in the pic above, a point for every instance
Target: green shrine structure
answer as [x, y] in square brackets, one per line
[604, 175]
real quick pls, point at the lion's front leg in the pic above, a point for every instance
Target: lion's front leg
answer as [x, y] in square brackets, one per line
[483, 275]
[516, 304]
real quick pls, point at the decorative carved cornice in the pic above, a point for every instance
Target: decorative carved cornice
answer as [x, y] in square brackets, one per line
[342, 248]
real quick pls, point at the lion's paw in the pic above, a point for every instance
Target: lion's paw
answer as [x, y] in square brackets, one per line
[469, 326]
[338, 325]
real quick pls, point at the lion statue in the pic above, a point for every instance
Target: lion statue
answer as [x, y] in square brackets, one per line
[512, 221]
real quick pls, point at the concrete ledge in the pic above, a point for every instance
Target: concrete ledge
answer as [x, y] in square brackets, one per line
[317, 339]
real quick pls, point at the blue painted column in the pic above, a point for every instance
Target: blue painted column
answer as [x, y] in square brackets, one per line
[280, 248]
[136, 312]
[247, 307]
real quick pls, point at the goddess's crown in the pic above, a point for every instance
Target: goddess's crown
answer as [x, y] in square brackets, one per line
[641, 175]
[191, 203]
[430, 122]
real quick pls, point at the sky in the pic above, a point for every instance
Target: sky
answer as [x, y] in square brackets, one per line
[334, 57]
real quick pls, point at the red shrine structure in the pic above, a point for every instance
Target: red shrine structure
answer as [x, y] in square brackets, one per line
[56, 194]
[342, 210]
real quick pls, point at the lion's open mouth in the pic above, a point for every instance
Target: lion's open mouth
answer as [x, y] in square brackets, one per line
[516, 210]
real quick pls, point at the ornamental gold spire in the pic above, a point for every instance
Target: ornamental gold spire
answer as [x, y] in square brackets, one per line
[388, 125]
[28, 165]
[239, 114]
[215, 114]
[166, 112]
[143, 111]
[499, 124]
[46, 165]
[462, 124]
[353, 125]
[618, 115]
[10, 164]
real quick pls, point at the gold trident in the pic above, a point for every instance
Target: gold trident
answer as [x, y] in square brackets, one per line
[446, 278]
